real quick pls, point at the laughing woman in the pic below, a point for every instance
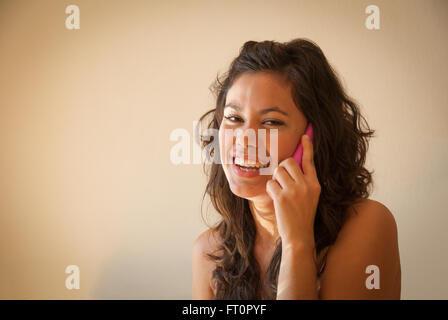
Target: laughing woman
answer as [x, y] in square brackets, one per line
[293, 235]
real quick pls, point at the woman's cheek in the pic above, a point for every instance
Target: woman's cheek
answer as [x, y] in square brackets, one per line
[225, 144]
[283, 147]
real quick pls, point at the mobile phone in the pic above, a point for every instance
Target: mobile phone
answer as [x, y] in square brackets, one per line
[299, 151]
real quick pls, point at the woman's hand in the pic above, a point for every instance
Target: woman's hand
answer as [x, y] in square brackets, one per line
[296, 195]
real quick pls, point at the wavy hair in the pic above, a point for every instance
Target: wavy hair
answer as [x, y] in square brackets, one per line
[341, 136]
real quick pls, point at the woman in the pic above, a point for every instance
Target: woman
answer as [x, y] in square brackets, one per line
[293, 234]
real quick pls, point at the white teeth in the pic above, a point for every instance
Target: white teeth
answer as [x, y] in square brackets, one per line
[248, 169]
[241, 162]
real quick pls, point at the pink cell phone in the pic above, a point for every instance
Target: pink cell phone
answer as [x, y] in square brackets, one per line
[299, 151]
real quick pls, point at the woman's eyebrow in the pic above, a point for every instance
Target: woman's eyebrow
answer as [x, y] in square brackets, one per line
[263, 111]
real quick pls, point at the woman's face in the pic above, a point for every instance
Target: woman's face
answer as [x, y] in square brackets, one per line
[246, 107]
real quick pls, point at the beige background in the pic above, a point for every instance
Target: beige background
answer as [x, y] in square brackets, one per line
[85, 119]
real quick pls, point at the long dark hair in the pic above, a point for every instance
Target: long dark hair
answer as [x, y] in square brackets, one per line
[341, 136]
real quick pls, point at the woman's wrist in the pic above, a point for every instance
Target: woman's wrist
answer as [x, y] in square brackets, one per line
[297, 271]
[298, 247]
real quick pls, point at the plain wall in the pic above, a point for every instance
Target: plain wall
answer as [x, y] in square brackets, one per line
[86, 115]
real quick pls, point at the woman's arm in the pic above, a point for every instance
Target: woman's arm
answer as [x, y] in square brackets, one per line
[296, 195]
[202, 267]
[368, 238]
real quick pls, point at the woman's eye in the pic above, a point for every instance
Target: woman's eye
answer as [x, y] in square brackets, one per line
[273, 122]
[232, 118]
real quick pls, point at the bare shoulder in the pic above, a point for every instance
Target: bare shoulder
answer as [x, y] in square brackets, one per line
[368, 237]
[370, 226]
[370, 215]
[206, 243]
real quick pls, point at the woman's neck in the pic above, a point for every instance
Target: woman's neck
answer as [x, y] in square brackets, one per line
[263, 212]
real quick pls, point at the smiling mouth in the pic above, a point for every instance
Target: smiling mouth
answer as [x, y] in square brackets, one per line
[247, 166]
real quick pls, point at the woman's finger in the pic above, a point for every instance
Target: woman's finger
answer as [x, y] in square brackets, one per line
[292, 168]
[273, 189]
[283, 177]
[308, 156]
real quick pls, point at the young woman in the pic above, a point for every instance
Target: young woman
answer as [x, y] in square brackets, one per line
[293, 234]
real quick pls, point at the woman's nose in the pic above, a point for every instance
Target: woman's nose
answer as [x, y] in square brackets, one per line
[247, 141]
[246, 137]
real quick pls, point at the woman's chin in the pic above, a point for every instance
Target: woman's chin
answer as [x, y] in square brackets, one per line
[247, 192]
[244, 187]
